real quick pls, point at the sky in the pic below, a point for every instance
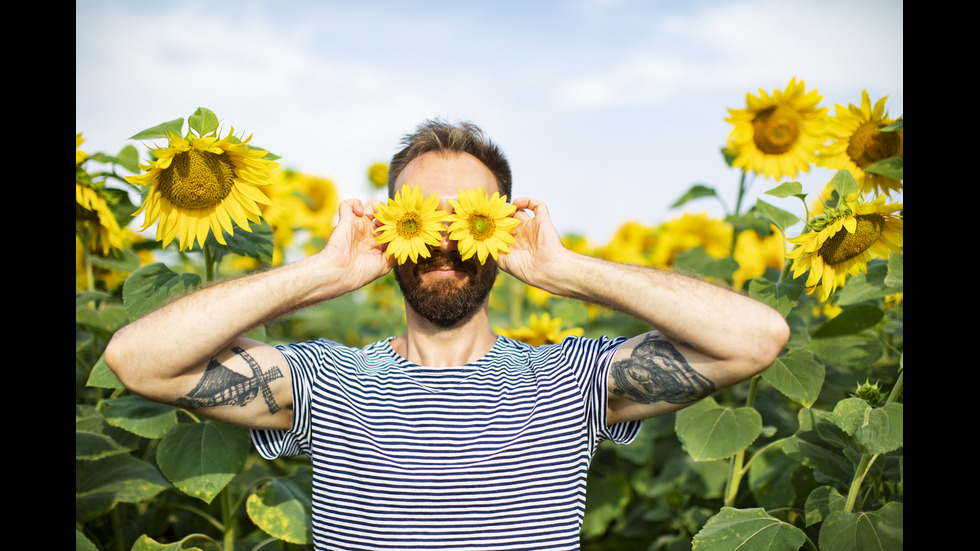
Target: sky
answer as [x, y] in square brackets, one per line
[608, 110]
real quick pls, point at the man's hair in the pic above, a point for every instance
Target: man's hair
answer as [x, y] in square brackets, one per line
[440, 136]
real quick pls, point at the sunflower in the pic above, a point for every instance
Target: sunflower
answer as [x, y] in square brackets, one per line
[93, 215]
[687, 231]
[202, 184]
[377, 175]
[631, 244]
[755, 254]
[543, 330]
[846, 240]
[410, 224]
[482, 225]
[777, 135]
[857, 142]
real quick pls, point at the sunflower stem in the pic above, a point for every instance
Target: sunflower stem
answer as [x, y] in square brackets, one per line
[736, 470]
[208, 262]
[228, 520]
[741, 194]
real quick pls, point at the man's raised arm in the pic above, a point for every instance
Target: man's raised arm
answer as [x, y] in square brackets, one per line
[706, 337]
[190, 352]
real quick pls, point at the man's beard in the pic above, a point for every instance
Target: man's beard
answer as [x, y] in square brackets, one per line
[446, 303]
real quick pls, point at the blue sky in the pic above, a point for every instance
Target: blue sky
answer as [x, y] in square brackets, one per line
[608, 109]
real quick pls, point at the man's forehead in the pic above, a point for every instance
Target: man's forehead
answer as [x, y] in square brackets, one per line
[444, 173]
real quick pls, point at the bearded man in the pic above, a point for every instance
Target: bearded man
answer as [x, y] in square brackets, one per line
[448, 435]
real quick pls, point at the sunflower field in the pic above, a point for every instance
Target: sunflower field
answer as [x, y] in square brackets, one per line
[807, 455]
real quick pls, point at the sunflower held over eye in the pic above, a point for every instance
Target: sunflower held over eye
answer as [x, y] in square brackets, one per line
[201, 184]
[858, 142]
[482, 225]
[410, 224]
[844, 242]
[777, 135]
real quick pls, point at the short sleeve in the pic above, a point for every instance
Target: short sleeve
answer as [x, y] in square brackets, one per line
[590, 360]
[295, 441]
[619, 433]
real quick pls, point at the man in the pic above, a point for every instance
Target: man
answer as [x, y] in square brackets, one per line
[448, 435]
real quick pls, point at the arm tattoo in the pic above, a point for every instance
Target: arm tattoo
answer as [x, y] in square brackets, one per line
[657, 372]
[220, 386]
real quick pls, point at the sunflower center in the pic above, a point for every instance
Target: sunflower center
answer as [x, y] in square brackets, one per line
[481, 226]
[410, 225]
[197, 179]
[776, 129]
[845, 245]
[869, 144]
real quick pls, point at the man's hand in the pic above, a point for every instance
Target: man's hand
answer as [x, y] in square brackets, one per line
[352, 246]
[538, 248]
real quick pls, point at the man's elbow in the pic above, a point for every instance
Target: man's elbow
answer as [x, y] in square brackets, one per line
[120, 361]
[774, 333]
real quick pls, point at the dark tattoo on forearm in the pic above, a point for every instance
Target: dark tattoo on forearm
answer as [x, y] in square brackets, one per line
[657, 372]
[220, 386]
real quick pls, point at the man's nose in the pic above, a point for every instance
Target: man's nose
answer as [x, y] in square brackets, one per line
[447, 244]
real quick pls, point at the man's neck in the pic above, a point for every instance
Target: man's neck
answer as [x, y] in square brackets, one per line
[424, 343]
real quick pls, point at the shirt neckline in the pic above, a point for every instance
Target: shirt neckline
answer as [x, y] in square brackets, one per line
[479, 362]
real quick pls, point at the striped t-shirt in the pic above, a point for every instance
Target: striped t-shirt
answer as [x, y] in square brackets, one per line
[491, 455]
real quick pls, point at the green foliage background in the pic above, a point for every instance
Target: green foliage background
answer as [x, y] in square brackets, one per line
[808, 455]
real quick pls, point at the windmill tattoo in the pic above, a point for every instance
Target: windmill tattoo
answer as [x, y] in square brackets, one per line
[220, 386]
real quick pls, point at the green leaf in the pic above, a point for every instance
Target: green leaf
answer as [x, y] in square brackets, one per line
[780, 218]
[152, 285]
[875, 430]
[896, 272]
[283, 508]
[100, 485]
[747, 529]
[697, 260]
[106, 317]
[798, 374]
[126, 262]
[102, 376]
[851, 320]
[781, 296]
[140, 416]
[771, 478]
[607, 502]
[257, 243]
[200, 459]
[821, 503]
[869, 286]
[129, 159]
[146, 543]
[811, 449]
[787, 189]
[696, 191]
[900, 123]
[710, 431]
[203, 121]
[857, 350]
[881, 530]
[892, 167]
[95, 439]
[844, 183]
[82, 543]
[162, 130]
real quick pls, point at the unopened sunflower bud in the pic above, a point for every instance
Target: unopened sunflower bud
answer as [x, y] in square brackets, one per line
[870, 393]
